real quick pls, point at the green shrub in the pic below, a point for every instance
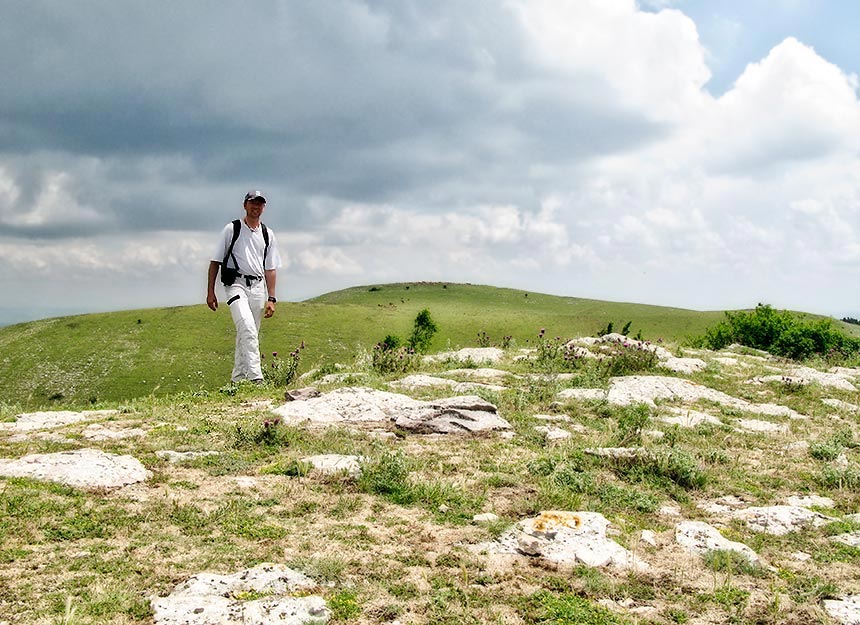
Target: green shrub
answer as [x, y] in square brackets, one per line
[731, 562]
[632, 420]
[781, 333]
[422, 332]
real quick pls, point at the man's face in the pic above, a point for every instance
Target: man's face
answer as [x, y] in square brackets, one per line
[254, 208]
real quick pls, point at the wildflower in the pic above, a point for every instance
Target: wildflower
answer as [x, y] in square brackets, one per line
[274, 354]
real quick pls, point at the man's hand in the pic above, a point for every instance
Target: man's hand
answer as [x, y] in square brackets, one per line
[212, 301]
[270, 309]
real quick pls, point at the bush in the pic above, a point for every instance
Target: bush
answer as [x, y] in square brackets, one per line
[781, 333]
[422, 332]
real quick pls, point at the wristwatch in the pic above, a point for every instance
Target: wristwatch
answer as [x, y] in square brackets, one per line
[273, 300]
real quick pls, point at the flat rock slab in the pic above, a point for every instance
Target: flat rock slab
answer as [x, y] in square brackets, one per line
[646, 388]
[687, 418]
[468, 414]
[765, 427]
[582, 394]
[568, 538]
[552, 434]
[332, 464]
[780, 520]
[845, 610]
[808, 501]
[684, 365]
[804, 376]
[301, 394]
[53, 419]
[429, 381]
[83, 468]
[176, 457]
[852, 539]
[210, 599]
[702, 538]
[481, 373]
[840, 405]
[364, 405]
[469, 354]
[99, 432]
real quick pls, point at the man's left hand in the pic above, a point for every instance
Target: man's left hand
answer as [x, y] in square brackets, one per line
[270, 309]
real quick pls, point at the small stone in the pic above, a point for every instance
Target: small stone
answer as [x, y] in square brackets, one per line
[801, 556]
[301, 394]
[648, 537]
[443, 508]
[486, 517]
[845, 610]
[808, 501]
[852, 539]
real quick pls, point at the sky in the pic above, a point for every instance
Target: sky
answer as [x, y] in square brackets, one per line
[686, 153]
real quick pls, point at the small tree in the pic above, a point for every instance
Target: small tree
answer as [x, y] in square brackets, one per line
[422, 332]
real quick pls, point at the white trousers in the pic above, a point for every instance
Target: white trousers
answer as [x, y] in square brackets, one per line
[246, 306]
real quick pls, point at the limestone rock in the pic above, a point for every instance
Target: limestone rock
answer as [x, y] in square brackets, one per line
[552, 434]
[622, 453]
[83, 468]
[347, 405]
[852, 539]
[562, 537]
[780, 520]
[757, 425]
[806, 375]
[487, 517]
[702, 538]
[845, 610]
[332, 464]
[175, 457]
[684, 365]
[210, 599]
[841, 405]
[581, 394]
[99, 432]
[301, 394]
[477, 355]
[428, 381]
[481, 373]
[646, 388]
[455, 414]
[687, 418]
[53, 419]
[808, 501]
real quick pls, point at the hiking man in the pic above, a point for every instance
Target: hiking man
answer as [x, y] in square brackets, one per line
[247, 256]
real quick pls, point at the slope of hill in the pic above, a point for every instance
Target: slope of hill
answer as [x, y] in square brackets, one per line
[114, 357]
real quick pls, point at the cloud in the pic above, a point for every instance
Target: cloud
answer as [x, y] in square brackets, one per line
[567, 145]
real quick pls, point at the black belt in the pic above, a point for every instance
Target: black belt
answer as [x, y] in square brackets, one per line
[247, 277]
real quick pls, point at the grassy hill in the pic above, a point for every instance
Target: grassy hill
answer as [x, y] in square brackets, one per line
[113, 357]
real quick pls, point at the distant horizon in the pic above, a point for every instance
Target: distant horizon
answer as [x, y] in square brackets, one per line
[687, 153]
[13, 315]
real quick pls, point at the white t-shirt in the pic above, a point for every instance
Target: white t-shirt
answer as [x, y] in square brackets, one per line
[248, 250]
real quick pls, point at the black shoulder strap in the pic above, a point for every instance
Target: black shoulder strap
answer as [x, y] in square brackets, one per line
[266, 239]
[236, 228]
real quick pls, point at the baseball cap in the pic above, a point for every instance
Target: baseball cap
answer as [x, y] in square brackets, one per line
[255, 194]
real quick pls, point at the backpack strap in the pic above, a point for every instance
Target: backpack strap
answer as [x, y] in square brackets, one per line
[265, 249]
[237, 226]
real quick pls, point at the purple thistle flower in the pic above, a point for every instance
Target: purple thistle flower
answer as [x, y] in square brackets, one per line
[274, 354]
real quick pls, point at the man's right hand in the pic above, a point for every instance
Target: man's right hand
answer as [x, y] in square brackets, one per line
[212, 301]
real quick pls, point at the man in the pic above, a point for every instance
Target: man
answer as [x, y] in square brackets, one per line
[247, 250]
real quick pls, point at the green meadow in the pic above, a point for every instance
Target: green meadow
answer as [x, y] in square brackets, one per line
[105, 358]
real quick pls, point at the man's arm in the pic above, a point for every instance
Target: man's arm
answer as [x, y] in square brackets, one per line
[211, 300]
[271, 280]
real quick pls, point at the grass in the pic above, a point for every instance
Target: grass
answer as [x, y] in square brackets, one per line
[104, 358]
[396, 543]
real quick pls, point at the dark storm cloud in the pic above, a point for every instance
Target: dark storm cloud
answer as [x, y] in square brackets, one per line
[354, 101]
